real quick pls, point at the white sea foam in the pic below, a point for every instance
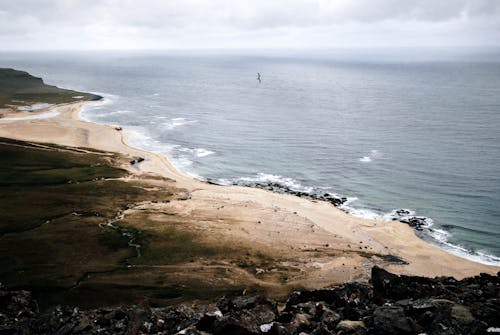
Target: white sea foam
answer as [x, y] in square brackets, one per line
[118, 112]
[361, 212]
[139, 137]
[442, 237]
[439, 236]
[54, 112]
[182, 162]
[33, 107]
[364, 213]
[176, 154]
[198, 152]
[176, 122]
[373, 154]
[224, 181]
[203, 152]
[272, 178]
[88, 110]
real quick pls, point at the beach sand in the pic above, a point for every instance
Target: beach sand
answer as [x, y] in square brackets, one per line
[321, 244]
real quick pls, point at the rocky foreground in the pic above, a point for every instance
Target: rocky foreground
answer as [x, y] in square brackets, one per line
[390, 304]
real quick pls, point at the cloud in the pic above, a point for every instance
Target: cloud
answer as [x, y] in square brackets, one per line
[224, 23]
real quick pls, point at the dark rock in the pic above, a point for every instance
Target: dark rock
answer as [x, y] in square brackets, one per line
[245, 320]
[280, 188]
[136, 160]
[208, 320]
[416, 222]
[394, 259]
[392, 320]
[350, 326]
[329, 318]
[392, 304]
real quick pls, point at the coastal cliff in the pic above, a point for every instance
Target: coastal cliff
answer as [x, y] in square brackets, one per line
[19, 88]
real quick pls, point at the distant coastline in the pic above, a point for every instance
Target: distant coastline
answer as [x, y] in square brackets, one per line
[237, 238]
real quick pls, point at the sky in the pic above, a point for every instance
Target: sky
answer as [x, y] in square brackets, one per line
[246, 24]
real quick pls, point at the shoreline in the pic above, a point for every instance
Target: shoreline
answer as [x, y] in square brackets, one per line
[290, 224]
[422, 225]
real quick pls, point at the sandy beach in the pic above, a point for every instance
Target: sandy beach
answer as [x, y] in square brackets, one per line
[321, 242]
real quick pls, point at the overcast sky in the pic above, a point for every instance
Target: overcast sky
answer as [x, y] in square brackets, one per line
[193, 24]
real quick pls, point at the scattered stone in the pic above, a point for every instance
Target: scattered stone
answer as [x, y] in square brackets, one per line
[283, 189]
[392, 320]
[462, 314]
[391, 304]
[394, 259]
[349, 325]
[137, 160]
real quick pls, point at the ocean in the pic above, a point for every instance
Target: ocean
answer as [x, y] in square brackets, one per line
[416, 130]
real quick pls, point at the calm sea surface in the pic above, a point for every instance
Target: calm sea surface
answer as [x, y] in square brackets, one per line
[387, 132]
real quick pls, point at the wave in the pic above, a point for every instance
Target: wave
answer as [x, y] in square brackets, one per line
[427, 231]
[203, 152]
[139, 137]
[88, 110]
[119, 112]
[422, 224]
[373, 154]
[443, 236]
[265, 178]
[198, 152]
[176, 122]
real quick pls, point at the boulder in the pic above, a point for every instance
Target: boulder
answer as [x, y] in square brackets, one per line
[392, 320]
[348, 325]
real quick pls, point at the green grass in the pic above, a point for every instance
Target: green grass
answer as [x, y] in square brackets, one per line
[54, 204]
[19, 88]
[49, 228]
[39, 185]
[168, 243]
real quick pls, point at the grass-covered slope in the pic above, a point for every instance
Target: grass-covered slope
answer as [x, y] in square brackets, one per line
[74, 231]
[54, 201]
[19, 88]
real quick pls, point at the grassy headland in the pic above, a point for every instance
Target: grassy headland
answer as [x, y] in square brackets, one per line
[19, 88]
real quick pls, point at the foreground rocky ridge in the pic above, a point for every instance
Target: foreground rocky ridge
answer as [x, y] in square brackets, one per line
[391, 304]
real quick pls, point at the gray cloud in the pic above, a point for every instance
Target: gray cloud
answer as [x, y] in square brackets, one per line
[223, 23]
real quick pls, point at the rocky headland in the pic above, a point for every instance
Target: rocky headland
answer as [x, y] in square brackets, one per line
[19, 90]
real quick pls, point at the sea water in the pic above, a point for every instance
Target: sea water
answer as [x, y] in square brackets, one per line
[415, 130]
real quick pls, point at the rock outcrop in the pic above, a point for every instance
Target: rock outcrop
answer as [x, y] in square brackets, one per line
[390, 304]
